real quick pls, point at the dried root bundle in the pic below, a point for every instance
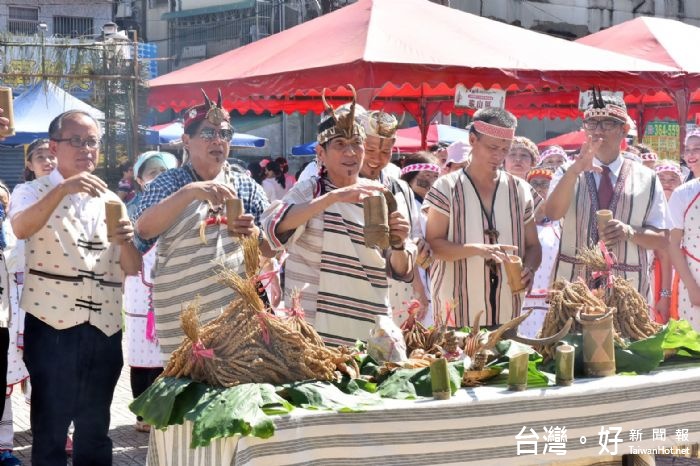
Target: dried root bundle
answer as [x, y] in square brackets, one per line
[246, 344]
[631, 315]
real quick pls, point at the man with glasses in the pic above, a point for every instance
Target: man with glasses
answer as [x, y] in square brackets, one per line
[173, 208]
[477, 216]
[72, 295]
[600, 178]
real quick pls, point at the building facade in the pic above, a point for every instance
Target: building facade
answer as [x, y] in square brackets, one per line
[75, 18]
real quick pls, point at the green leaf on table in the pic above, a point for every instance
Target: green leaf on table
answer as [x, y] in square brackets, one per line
[350, 386]
[680, 334]
[186, 401]
[536, 378]
[398, 385]
[224, 412]
[325, 395]
[155, 405]
[409, 383]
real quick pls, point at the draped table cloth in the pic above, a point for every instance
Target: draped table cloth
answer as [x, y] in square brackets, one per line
[478, 426]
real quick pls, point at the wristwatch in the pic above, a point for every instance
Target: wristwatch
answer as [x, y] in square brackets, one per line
[629, 232]
[665, 293]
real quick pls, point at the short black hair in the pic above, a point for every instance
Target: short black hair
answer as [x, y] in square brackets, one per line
[495, 116]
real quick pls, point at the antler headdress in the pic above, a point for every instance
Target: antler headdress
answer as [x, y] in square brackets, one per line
[214, 113]
[339, 122]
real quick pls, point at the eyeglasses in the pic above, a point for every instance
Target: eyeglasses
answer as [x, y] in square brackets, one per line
[539, 184]
[209, 134]
[693, 151]
[78, 142]
[606, 125]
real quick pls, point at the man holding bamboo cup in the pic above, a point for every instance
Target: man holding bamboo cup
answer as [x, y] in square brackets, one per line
[602, 196]
[481, 228]
[72, 294]
[197, 213]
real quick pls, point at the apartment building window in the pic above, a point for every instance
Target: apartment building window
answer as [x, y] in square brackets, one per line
[23, 20]
[157, 3]
[71, 26]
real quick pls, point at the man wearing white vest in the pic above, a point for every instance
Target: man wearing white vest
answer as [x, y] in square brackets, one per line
[600, 178]
[72, 295]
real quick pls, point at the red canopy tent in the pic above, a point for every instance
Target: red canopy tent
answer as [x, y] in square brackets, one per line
[660, 40]
[570, 141]
[401, 55]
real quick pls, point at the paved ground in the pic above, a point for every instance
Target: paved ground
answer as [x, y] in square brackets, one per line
[130, 446]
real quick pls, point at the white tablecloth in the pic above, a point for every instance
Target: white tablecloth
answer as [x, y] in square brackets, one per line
[476, 427]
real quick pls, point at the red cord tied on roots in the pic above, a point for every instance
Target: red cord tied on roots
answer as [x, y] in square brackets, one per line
[609, 262]
[262, 318]
[199, 352]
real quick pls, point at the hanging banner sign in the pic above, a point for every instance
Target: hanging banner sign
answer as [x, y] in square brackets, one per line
[585, 97]
[478, 98]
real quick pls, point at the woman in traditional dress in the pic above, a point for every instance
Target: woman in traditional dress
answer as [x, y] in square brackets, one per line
[523, 155]
[420, 172]
[548, 233]
[663, 290]
[343, 283]
[143, 349]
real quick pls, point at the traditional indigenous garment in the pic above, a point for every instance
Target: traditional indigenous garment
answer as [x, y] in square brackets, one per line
[185, 268]
[343, 283]
[637, 200]
[685, 211]
[400, 292]
[548, 233]
[143, 349]
[471, 282]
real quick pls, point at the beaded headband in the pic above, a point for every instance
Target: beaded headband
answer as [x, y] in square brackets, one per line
[668, 167]
[694, 133]
[420, 167]
[539, 173]
[495, 131]
[606, 107]
[552, 151]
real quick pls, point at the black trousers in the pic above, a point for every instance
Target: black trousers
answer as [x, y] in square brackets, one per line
[141, 379]
[74, 373]
[4, 346]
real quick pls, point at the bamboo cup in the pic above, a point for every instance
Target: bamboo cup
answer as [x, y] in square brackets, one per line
[564, 362]
[8, 112]
[234, 209]
[514, 269]
[114, 212]
[602, 218]
[517, 372]
[598, 343]
[376, 229]
[440, 379]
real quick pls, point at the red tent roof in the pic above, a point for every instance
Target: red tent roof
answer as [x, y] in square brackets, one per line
[407, 51]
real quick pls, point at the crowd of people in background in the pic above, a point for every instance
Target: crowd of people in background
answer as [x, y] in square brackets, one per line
[461, 210]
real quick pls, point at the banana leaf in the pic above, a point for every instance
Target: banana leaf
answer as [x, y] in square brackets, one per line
[325, 395]
[410, 383]
[243, 409]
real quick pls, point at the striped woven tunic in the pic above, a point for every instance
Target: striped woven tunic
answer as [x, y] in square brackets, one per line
[186, 269]
[468, 281]
[343, 283]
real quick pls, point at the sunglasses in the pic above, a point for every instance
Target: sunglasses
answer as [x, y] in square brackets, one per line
[606, 125]
[209, 134]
